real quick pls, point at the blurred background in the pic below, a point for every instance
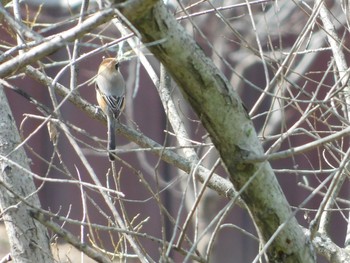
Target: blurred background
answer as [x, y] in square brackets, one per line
[226, 36]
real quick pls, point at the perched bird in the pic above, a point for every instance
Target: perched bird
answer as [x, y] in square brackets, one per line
[110, 94]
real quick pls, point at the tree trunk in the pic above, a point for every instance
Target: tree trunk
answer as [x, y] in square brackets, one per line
[223, 115]
[28, 239]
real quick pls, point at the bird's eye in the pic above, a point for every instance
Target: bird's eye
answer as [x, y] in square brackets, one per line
[116, 66]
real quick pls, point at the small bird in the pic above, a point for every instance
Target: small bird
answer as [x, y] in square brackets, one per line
[110, 94]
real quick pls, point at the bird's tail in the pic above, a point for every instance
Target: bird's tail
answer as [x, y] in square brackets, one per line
[111, 137]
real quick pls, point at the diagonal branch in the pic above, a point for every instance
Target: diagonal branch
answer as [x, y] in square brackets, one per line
[223, 115]
[217, 183]
[58, 41]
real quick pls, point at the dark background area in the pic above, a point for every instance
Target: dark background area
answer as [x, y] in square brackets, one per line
[146, 113]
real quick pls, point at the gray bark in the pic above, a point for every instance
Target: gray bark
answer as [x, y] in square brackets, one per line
[28, 238]
[223, 115]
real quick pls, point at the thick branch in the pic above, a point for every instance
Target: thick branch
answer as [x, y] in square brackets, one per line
[223, 115]
[327, 248]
